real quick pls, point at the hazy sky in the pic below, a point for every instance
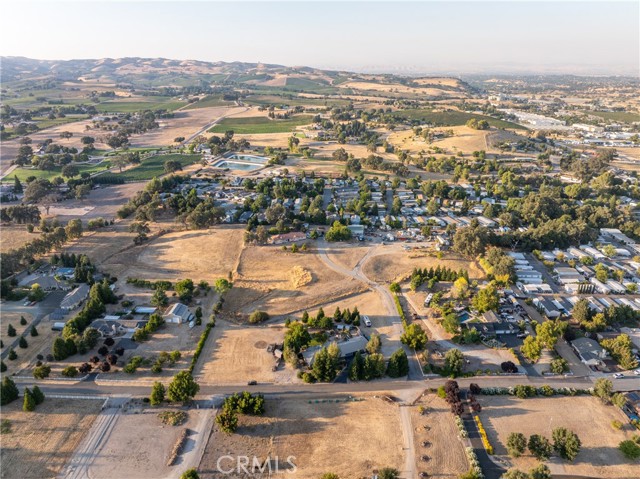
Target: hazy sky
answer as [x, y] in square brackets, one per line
[428, 36]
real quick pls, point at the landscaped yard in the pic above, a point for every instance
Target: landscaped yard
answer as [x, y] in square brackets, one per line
[24, 173]
[260, 124]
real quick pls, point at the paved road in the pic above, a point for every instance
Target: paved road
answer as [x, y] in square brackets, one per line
[489, 468]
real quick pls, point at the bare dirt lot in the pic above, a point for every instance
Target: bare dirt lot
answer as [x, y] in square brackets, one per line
[349, 438]
[585, 415]
[447, 458]
[398, 264]
[464, 139]
[142, 445]
[263, 282]
[238, 354]
[102, 202]
[41, 442]
[347, 255]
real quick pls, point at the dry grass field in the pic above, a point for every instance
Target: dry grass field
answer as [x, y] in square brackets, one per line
[14, 236]
[41, 442]
[236, 355]
[40, 344]
[398, 264]
[393, 88]
[586, 416]
[352, 439]
[445, 449]
[142, 445]
[464, 139]
[263, 281]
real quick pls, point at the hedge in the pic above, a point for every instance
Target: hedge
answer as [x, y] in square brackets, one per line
[201, 342]
[483, 435]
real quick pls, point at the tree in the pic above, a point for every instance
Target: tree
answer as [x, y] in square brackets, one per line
[454, 361]
[388, 473]
[69, 171]
[29, 403]
[394, 288]
[22, 342]
[12, 356]
[398, 364]
[3, 367]
[541, 471]
[190, 473]
[531, 348]
[548, 333]
[566, 443]
[184, 289]
[159, 298]
[171, 166]
[515, 474]
[374, 344]
[222, 286]
[17, 186]
[516, 444]
[603, 388]
[38, 395]
[460, 287]
[630, 449]
[82, 191]
[356, 369]
[227, 420]
[296, 336]
[559, 366]
[8, 391]
[486, 299]
[414, 337]
[157, 394]
[11, 331]
[338, 232]
[540, 447]
[471, 241]
[23, 322]
[178, 139]
[73, 229]
[182, 388]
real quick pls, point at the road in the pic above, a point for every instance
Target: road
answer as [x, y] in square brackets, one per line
[386, 297]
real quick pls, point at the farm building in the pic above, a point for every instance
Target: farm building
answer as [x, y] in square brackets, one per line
[287, 238]
[178, 313]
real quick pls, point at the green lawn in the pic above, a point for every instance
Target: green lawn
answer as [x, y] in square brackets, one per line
[43, 123]
[453, 118]
[154, 166]
[123, 106]
[622, 116]
[24, 173]
[260, 124]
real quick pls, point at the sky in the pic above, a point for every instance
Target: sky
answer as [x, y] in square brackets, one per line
[453, 37]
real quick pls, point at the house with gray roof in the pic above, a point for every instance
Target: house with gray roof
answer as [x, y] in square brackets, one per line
[74, 298]
[589, 351]
[178, 313]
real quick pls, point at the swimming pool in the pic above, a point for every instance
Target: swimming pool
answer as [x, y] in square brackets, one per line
[241, 162]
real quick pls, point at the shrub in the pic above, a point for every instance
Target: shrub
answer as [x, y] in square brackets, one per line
[258, 317]
[616, 424]
[70, 372]
[22, 342]
[483, 435]
[630, 449]
[509, 367]
[109, 342]
[172, 418]
[41, 372]
[33, 332]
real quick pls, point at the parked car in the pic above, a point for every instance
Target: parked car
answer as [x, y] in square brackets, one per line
[367, 321]
[618, 375]
[637, 372]
[252, 383]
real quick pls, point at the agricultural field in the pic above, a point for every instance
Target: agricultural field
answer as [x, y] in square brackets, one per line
[436, 427]
[351, 438]
[263, 124]
[464, 139]
[208, 101]
[585, 415]
[294, 101]
[138, 104]
[616, 116]
[41, 442]
[453, 118]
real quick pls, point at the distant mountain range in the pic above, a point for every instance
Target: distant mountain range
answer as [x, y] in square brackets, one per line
[156, 72]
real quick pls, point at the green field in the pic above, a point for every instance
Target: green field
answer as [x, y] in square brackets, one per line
[622, 116]
[154, 166]
[123, 106]
[452, 118]
[260, 124]
[294, 101]
[209, 101]
[24, 173]
[43, 123]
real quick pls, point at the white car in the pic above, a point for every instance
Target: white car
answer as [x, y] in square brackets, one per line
[618, 375]
[637, 372]
[367, 321]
